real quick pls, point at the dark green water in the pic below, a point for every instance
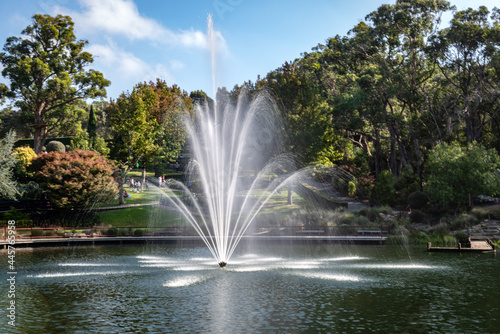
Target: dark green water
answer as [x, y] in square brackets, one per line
[266, 289]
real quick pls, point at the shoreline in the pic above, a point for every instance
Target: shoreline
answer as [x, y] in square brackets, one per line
[188, 240]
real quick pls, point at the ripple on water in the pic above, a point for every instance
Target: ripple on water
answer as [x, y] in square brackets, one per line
[330, 277]
[184, 281]
[83, 264]
[91, 273]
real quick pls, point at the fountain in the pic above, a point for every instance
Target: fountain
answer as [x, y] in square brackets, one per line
[224, 139]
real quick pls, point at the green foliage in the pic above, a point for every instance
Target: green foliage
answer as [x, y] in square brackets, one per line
[14, 214]
[92, 128]
[8, 186]
[82, 141]
[406, 184]
[457, 174]
[46, 68]
[417, 216]
[383, 192]
[76, 179]
[111, 231]
[462, 237]
[24, 155]
[417, 200]
[351, 188]
[375, 214]
[138, 233]
[31, 190]
[147, 125]
[55, 146]
[440, 229]
[463, 221]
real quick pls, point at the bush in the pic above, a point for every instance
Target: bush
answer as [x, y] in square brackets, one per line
[457, 173]
[55, 146]
[417, 216]
[440, 229]
[407, 183]
[139, 233]
[76, 179]
[111, 231]
[463, 221]
[351, 188]
[462, 237]
[373, 214]
[383, 192]
[37, 233]
[417, 200]
[14, 214]
[24, 156]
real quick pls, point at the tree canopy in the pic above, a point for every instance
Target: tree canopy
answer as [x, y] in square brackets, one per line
[46, 68]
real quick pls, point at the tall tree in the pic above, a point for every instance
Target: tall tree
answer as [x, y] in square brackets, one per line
[46, 69]
[8, 186]
[468, 54]
[92, 128]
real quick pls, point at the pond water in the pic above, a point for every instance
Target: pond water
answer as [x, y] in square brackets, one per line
[264, 289]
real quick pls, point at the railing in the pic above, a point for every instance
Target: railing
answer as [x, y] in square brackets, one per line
[149, 231]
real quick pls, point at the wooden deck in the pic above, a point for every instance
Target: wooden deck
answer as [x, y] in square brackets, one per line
[476, 246]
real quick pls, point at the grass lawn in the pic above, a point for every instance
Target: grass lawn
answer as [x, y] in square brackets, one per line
[144, 216]
[278, 203]
[141, 216]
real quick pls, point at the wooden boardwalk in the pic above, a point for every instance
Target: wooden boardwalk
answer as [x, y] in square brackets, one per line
[476, 246]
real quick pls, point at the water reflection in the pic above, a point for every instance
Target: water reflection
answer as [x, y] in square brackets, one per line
[310, 289]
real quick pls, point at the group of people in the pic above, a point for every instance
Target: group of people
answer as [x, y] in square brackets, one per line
[161, 181]
[137, 186]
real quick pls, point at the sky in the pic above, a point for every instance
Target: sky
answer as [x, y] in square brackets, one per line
[133, 41]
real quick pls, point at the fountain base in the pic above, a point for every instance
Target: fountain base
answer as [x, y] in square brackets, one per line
[222, 264]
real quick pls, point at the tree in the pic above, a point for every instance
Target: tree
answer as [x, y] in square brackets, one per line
[46, 69]
[305, 115]
[75, 180]
[457, 173]
[92, 128]
[90, 139]
[147, 125]
[8, 186]
[468, 54]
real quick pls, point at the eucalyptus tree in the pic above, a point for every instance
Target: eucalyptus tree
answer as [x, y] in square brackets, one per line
[400, 33]
[469, 60]
[47, 70]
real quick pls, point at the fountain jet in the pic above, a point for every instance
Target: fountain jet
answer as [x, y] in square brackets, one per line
[232, 143]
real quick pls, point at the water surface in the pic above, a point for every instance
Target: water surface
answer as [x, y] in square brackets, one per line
[264, 289]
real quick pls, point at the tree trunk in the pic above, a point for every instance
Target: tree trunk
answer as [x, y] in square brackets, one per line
[39, 131]
[377, 154]
[393, 161]
[290, 199]
[121, 182]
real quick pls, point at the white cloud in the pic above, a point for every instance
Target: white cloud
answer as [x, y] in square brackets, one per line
[118, 64]
[176, 65]
[122, 17]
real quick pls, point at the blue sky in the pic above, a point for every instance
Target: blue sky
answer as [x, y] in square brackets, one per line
[140, 40]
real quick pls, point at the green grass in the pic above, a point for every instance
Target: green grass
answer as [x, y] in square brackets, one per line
[140, 216]
[278, 203]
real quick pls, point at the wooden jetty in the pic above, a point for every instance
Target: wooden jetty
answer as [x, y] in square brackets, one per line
[474, 246]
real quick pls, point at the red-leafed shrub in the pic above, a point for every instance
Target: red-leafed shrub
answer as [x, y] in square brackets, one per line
[77, 179]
